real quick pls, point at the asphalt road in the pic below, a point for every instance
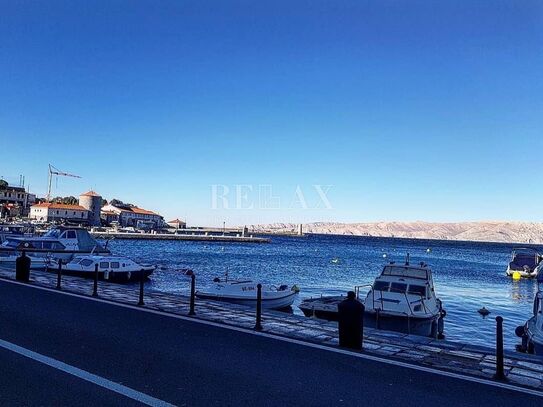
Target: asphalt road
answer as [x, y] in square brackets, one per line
[187, 363]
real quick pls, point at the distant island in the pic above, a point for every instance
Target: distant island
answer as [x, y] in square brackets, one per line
[488, 231]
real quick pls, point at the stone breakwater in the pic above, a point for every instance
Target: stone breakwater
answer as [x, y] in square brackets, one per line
[520, 369]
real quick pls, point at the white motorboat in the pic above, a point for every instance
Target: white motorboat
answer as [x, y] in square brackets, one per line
[527, 262]
[111, 268]
[60, 242]
[244, 292]
[532, 332]
[402, 298]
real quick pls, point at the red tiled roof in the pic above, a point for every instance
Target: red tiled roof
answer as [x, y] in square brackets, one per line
[90, 193]
[141, 211]
[52, 205]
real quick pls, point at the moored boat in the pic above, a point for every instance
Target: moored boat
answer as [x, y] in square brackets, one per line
[244, 292]
[525, 262]
[116, 269]
[402, 299]
[60, 242]
[532, 332]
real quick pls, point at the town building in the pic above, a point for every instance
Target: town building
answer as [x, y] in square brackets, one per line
[15, 201]
[177, 224]
[51, 212]
[126, 216]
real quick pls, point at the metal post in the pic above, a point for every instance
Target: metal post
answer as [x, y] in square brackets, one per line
[500, 375]
[140, 302]
[362, 326]
[59, 274]
[95, 287]
[258, 325]
[192, 293]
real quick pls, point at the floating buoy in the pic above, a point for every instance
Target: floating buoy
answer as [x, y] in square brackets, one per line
[384, 256]
[516, 276]
[484, 312]
[428, 250]
[335, 260]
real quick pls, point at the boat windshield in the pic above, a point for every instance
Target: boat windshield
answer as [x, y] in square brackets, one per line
[53, 233]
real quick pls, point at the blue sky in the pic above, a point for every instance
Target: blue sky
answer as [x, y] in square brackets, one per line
[410, 110]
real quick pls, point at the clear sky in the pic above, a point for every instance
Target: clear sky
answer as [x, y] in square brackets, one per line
[410, 110]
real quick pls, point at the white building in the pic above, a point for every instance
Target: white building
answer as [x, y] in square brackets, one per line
[132, 216]
[48, 211]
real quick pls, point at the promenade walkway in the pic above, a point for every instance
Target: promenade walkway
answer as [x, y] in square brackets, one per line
[522, 370]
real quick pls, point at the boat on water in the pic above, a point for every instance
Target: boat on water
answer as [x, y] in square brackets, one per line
[112, 268]
[525, 261]
[15, 230]
[402, 298]
[244, 292]
[532, 332]
[59, 242]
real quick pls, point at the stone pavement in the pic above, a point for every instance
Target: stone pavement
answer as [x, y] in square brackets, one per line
[520, 369]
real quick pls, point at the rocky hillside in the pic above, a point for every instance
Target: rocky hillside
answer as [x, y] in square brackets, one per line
[509, 232]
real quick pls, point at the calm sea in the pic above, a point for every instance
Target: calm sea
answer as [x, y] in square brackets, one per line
[467, 275]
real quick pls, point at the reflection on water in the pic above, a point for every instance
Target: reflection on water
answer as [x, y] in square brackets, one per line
[468, 276]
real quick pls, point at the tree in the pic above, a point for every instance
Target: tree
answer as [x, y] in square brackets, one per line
[116, 202]
[3, 184]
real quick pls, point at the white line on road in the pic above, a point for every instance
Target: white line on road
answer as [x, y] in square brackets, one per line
[84, 375]
[393, 362]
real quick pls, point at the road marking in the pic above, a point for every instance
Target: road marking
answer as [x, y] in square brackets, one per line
[365, 356]
[84, 375]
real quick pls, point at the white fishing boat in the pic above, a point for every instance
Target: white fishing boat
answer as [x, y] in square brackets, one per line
[527, 262]
[111, 268]
[244, 292]
[532, 332]
[402, 298]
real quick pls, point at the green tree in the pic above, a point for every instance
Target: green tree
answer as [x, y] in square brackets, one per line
[3, 184]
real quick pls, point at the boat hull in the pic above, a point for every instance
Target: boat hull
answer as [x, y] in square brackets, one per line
[412, 326]
[267, 303]
[523, 273]
[114, 277]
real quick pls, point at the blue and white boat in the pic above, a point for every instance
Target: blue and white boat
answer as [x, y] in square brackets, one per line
[60, 242]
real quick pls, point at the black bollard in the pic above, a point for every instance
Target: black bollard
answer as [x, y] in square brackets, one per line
[500, 375]
[258, 325]
[140, 302]
[59, 274]
[22, 268]
[95, 287]
[192, 294]
[351, 322]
